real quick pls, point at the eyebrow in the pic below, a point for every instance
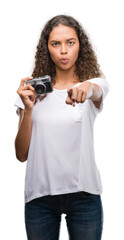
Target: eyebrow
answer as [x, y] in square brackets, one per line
[66, 40]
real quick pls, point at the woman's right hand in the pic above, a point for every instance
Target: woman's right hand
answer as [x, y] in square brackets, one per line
[27, 93]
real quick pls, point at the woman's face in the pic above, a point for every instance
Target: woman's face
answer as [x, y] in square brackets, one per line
[63, 45]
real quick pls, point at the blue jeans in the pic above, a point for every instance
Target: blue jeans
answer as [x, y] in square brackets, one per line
[84, 216]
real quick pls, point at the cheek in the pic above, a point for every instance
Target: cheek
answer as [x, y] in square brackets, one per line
[77, 50]
[76, 53]
[53, 55]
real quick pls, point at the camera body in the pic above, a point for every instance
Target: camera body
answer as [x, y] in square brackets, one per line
[42, 85]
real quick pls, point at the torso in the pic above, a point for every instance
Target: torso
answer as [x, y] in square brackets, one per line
[61, 87]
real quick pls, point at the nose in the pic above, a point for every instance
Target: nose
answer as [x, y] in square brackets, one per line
[63, 49]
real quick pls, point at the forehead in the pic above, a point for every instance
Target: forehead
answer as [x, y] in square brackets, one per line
[62, 31]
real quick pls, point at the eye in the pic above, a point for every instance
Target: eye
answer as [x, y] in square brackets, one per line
[71, 43]
[55, 44]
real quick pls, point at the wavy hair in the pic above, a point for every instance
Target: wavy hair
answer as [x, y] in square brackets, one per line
[87, 66]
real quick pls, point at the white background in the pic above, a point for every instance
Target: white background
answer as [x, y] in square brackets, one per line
[21, 24]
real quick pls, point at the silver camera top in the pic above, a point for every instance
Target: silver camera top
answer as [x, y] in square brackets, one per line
[35, 80]
[42, 85]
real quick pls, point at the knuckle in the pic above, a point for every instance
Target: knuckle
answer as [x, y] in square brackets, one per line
[68, 101]
[23, 79]
[80, 90]
[83, 99]
[73, 98]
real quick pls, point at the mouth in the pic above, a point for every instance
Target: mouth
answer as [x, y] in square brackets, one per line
[64, 60]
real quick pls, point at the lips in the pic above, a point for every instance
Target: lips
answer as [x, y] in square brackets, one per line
[64, 60]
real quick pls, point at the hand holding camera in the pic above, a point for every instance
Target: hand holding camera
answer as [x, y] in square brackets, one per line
[30, 88]
[26, 93]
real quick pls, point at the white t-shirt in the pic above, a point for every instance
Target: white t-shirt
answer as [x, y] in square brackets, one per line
[61, 153]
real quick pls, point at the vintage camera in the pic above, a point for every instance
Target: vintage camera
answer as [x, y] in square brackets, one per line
[41, 85]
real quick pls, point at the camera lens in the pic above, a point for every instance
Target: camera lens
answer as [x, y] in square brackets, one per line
[39, 88]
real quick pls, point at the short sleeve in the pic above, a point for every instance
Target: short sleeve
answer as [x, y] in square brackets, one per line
[19, 104]
[105, 89]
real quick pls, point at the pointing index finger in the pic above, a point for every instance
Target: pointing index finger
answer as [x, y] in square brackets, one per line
[73, 93]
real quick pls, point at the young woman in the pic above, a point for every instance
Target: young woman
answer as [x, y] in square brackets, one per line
[55, 135]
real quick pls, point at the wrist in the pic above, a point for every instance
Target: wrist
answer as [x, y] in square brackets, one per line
[92, 90]
[28, 110]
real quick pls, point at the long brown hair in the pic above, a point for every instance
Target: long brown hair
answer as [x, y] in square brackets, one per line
[87, 66]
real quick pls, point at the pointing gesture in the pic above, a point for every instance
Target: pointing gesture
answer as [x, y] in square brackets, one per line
[79, 94]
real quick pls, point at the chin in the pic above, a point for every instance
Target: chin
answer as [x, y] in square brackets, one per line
[66, 67]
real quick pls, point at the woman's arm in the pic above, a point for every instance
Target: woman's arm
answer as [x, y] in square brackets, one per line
[23, 137]
[22, 141]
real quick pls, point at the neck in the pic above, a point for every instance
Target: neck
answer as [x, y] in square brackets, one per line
[64, 77]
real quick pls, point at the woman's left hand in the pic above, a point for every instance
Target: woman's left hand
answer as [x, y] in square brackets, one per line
[80, 94]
